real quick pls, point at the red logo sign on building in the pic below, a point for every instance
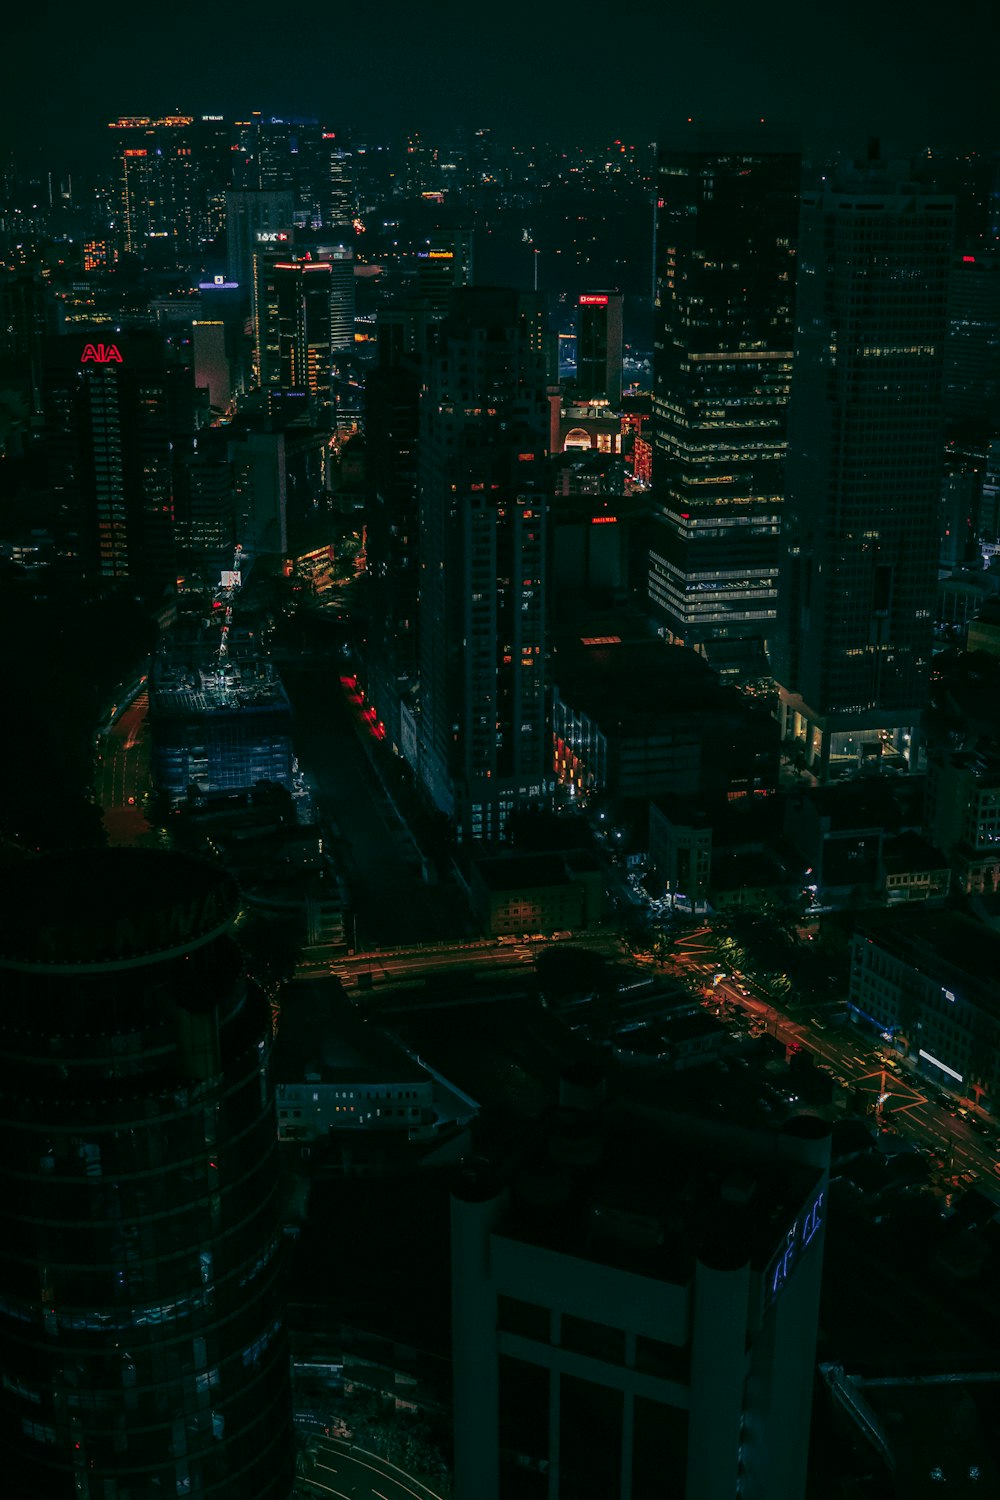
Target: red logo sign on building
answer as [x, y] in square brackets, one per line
[101, 354]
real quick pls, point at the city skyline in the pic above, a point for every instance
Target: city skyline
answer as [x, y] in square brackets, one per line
[500, 824]
[891, 72]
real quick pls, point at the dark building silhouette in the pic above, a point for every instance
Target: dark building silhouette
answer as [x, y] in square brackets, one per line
[255, 220]
[141, 1305]
[635, 1306]
[599, 347]
[483, 514]
[172, 178]
[113, 404]
[727, 210]
[853, 648]
[972, 351]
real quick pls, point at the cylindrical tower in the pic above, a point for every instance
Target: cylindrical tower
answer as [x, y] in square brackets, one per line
[141, 1317]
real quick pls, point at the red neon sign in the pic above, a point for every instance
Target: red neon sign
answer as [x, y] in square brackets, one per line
[101, 354]
[593, 299]
[602, 520]
[968, 260]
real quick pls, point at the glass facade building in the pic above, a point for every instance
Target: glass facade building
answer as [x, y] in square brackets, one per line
[723, 322]
[853, 646]
[144, 1344]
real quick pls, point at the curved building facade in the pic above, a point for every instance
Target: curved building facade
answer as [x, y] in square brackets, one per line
[142, 1337]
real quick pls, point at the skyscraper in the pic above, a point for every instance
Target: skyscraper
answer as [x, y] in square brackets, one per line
[340, 259]
[853, 649]
[443, 263]
[972, 352]
[112, 405]
[141, 1314]
[255, 221]
[483, 512]
[173, 174]
[294, 329]
[599, 347]
[725, 279]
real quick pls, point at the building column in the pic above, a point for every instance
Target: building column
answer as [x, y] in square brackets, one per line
[476, 1206]
[718, 1368]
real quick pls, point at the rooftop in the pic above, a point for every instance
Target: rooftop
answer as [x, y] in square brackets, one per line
[179, 689]
[321, 1033]
[940, 943]
[622, 1189]
[508, 871]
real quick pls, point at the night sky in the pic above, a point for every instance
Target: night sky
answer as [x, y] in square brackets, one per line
[587, 71]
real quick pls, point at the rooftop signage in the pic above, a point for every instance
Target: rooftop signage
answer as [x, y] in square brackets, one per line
[101, 354]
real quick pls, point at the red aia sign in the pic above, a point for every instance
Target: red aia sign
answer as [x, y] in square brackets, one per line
[101, 354]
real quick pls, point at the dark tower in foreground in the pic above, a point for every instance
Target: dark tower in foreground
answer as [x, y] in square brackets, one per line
[140, 1296]
[634, 1312]
[859, 575]
[727, 211]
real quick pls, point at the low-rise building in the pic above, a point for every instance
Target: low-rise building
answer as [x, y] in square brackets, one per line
[218, 726]
[525, 893]
[963, 816]
[647, 719]
[912, 869]
[928, 978]
[337, 1072]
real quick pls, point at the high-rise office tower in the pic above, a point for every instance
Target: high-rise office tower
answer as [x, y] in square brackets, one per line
[141, 1303]
[727, 208]
[483, 509]
[340, 259]
[112, 405]
[173, 174]
[443, 263]
[291, 155]
[338, 209]
[599, 347]
[255, 221]
[407, 333]
[972, 350]
[852, 652]
[205, 507]
[294, 329]
[392, 403]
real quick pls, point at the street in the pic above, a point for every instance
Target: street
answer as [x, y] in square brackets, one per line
[401, 965]
[391, 902]
[907, 1098]
[121, 773]
[354, 1474]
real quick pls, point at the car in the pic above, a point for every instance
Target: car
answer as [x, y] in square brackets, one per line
[978, 1125]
